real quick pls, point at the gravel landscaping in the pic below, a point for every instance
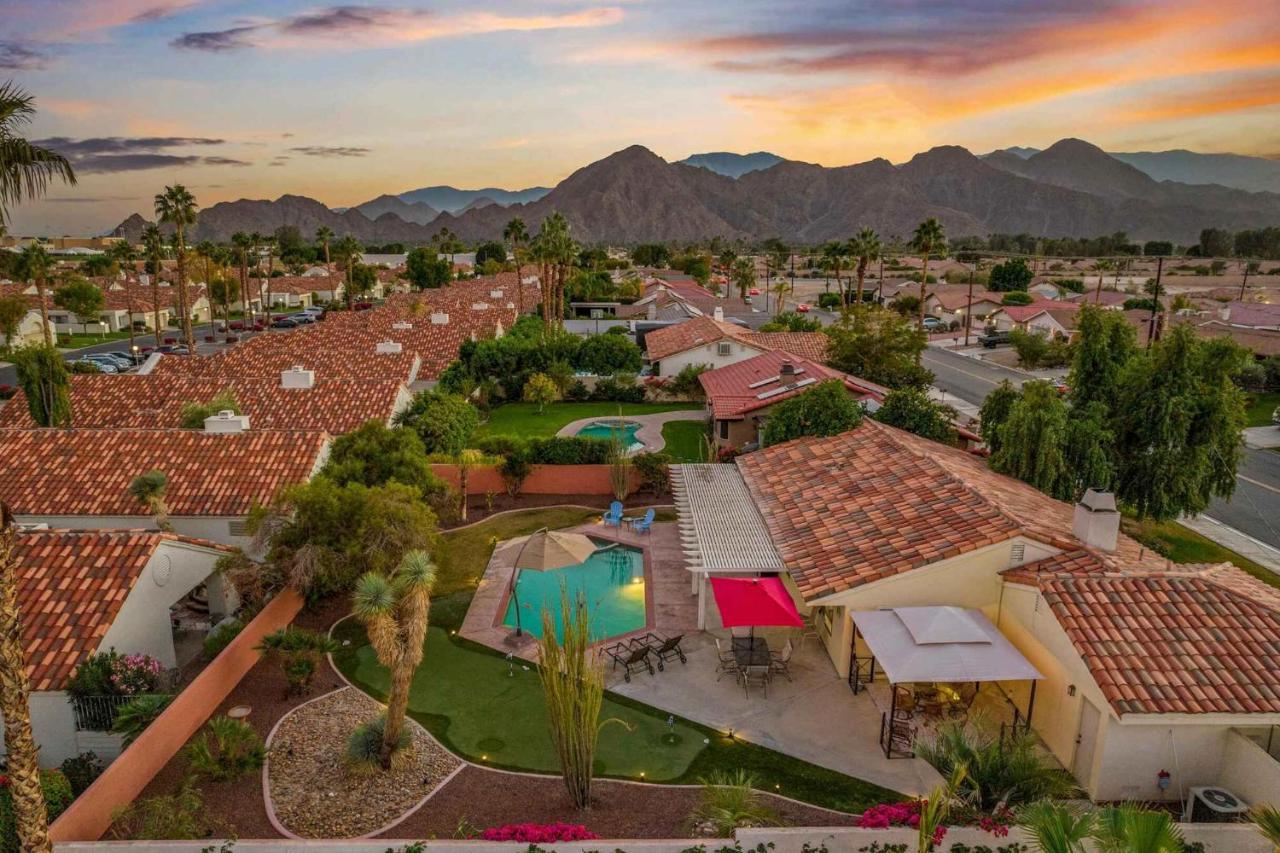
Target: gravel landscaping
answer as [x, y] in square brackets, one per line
[315, 794]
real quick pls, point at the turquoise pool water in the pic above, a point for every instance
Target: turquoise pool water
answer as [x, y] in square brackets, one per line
[612, 580]
[608, 430]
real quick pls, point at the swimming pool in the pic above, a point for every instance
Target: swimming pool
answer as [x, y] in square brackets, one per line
[625, 431]
[612, 580]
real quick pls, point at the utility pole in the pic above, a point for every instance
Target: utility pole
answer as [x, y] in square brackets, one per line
[968, 311]
[880, 286]
[1246, 280]
[1155, 302]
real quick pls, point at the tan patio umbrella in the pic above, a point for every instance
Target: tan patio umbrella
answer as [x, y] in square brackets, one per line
[546, 550]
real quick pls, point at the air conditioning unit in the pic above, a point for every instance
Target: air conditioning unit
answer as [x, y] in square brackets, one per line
[1214, 805]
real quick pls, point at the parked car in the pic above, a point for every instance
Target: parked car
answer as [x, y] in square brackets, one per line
[802, 308]
[284, 323]
[363, 306]
[992, 338]
[316, 311]
[107, 359]
[933, 324]
[237, 325]
[755, 291]
[173, 349]
[88, 365]
[125, 358]
[303, 319]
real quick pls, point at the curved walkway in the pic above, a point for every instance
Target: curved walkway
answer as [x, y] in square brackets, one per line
[650, 432]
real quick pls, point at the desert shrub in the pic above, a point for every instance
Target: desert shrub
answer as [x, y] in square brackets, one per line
[228, 749]
[998, 776]
[81, 770]
[569, 450]
[299, 651]
[167, 817]
[221, 636]
[653, 470]
[502, 445]
[607, 354]
[619, 388]
[685, 383]
[57, 796]
[515, 469]
[133, 717]
[1031, 347]
[828, 300]
[193, 415]
[730, 801]
[1017, 297]
[364, 747]
[577, 392]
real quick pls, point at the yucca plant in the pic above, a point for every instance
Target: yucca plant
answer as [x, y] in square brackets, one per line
[228, 749]
[133, 717]
[730, 801]
[1130, 829]
[1267, 820]
[364, 746]
[1056, 827]
[149, 490]
[395, 613]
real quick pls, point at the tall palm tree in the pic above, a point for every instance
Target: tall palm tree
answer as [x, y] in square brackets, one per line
[395, 613]
[123, 254]
[177, 206]
[255, 244]
[865, 246]
[26, 170]
[324, 236]
[517, 235]
[928, 237]
[22, 766]
[240, 245]
[833, 255]
[153, 246]
[346, 250]
[540, 250]
[270, 244]
[33, 265]
[149, 489]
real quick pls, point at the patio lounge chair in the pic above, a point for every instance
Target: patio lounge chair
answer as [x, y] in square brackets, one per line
[645, 524]
[663, 648]
[755, 675]
[780, 662]
[632, 656]
[613, 518]
[728, 661]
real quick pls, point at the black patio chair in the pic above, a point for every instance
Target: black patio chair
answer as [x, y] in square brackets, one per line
[632, 656]
[663, 648]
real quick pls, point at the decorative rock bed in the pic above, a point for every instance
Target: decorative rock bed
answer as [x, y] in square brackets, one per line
[311, 789]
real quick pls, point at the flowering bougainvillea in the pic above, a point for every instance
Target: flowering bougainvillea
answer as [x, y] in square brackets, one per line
[539, 833]
[905, 813]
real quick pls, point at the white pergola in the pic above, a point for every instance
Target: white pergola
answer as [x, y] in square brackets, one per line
[721, 531]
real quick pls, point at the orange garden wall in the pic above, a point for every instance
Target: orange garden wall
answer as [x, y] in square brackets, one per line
[543, 480]
[90, 815]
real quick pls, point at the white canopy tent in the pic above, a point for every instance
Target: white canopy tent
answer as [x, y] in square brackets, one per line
[931, 645]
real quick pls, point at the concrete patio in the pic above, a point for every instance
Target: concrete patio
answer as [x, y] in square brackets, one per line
[650, 432]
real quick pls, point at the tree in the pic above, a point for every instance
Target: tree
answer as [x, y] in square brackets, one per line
[241, 243]
[177, 206]
[1031, 347]
[517, 235]
[1032, 438]
[1013, 274]
[26, 170]
[374, 455]
[465, 459]
[153, 245]
[42, 373]
[13, 310]
[1216, 243]
[444, 422]
[224, 290]
[929, 236]
[744, 276]
[879, 345]
[1016, 297]
[865, 246]
[605, 355]
[995, 411]
[395, 611]
[33, 265]
[834, 255]
[1152, 248]
[790, 321]
[362, 279]
[82, 298]
[651, 255]
[825, 409]
[347, 250]
[324, 236]
[425, 269]
[193, 415]
[541, 390]
[149, 490]
[911, 409]
[491, 251]
[1105, 344]
[573, 683]
[31, 820]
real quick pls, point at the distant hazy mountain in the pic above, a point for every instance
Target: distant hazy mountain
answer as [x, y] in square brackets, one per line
[733, 165]
[483, 201]
[453, 200]
[1255, 174]
[418, 213]
[1022, 151]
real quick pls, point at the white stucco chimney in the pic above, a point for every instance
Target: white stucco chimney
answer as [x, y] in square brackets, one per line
[479, 306]
[402, 325]
[495, 294]
[718, 314]
[226, 422]
[388, 347]
[298, 377]
[1097, 522]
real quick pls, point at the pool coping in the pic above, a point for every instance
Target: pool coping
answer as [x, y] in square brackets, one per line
[650, 432]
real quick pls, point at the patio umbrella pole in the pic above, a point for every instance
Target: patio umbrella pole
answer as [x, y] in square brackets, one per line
[515, 570]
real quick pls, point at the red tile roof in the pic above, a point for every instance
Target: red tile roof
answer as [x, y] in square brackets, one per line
[1023, 313]
[70, 588]
[810, 345]
[734, 390]
[52, 472]
[681, 337]
[155, 401]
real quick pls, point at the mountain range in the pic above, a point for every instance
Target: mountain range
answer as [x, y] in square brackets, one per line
[1072, 188]
[733, 165]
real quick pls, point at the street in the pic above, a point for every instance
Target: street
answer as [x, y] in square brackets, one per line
[967, 378]
[1255, 507]
[9, 374]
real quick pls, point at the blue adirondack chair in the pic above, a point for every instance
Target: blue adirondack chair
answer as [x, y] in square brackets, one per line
[613, 518]
[645, 524]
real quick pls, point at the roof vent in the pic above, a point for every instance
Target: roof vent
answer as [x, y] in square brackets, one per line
[479, 306]
[786, 370]
[298, 377]
[401, 326]
[718, 314]
[495, 294]
[388, 347]
[226, 422]
[439, 318]
[1096, 522]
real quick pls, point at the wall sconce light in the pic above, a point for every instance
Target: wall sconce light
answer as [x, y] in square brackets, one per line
[1071, 690]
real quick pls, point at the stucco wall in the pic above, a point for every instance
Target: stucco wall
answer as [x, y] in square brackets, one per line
[213, 528]
[708, 354]
[52, 725]
[1249, 771]
[543, 480]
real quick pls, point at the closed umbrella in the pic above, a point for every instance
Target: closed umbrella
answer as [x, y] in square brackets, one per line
[546, 550]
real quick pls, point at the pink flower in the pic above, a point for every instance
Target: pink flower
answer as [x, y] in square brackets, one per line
[537, 833]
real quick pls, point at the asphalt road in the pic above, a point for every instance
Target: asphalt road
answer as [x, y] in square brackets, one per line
[967, 378]
[1254, 509]
[9, 374]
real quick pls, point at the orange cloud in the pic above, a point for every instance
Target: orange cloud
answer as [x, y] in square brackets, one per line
[1230, 97]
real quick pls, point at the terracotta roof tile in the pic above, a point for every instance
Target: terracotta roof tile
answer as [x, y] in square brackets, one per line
[671, 340]
[734, 390]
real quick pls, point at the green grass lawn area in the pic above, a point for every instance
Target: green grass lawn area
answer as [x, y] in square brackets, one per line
[1183, 545]
[522, 419]
[686, 440]
[1259, 409]
[464, 695]
[79, 339]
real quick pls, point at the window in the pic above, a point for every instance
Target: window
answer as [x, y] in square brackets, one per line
[724, 348]
[724, 429]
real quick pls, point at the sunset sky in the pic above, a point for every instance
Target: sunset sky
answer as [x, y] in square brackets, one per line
[342, 103]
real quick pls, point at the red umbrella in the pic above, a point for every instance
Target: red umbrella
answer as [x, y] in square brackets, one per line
[755, 601]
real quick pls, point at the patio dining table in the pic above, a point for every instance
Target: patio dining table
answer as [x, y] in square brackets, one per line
[750, 651]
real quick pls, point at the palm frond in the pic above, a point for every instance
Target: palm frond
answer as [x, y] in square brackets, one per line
[1267, 820]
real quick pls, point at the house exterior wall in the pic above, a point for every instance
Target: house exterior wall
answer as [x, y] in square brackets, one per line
[214, 528]
[53, 726]
[28, 331]
[1249, 771]
[708, 354]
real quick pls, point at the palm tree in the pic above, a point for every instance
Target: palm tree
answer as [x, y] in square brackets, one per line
[149, 490]
[833, 254]
[240, 244]
[1267, 820]
[33, 265]
[22, 766]
[346, 250]
[929, 236]
[865, 246]
[123, 254]
[517, 235]
[1130, 829]
[26, 170]
[324, 236]
[153, 245]
[395, 612]
[270, 244]
[255, 243]
[1056, 827]
[177, 206]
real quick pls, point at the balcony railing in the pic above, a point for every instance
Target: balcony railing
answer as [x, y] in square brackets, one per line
[97, 713]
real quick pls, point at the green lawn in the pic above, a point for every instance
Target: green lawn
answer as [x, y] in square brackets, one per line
[686, 440]
[1183, 545]
[522, 419]
[1258, 412]
[465, 695]
[79, 339]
